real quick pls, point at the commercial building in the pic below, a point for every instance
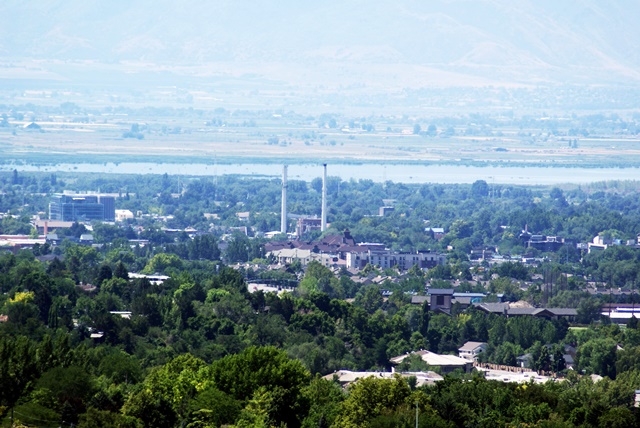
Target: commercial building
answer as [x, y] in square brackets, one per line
[347, 377]
[383, 258]
[342, 250]
[82, 207]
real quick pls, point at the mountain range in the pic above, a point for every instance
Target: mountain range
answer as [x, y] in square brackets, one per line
[416, 42]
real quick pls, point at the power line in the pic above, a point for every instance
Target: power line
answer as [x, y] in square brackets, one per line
[56, 423]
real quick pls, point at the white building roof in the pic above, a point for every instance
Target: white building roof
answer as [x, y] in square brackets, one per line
[291, 252]
[21, 241]
[423, 378]
[153, 279]
[433, 359]
[517, 377]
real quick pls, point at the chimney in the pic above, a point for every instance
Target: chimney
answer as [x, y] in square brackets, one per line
[283, 219]
[46, 228]
[323, 225]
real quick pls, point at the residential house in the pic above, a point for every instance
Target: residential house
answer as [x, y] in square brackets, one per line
[510, 311]
[86, 239]
[436, 232]
[471, 350]
[440, 299]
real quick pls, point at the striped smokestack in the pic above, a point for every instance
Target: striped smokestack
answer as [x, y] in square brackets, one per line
[323, 225]
[283, 219]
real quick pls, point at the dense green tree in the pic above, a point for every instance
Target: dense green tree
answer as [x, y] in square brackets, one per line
[371, 397]
[69, 390]
[238, 248]
[325, 398]
[161, 262]
[167, 391]
[212, 407]
[479, 188]
[95, 418]
[244, 374]
[589, 310]
[104, 273]
[18, 367]
[598, 356]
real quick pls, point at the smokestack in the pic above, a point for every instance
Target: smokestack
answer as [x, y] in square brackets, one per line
[323, 226]
[283, 219]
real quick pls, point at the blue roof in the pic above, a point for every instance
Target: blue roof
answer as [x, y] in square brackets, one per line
[481, 295]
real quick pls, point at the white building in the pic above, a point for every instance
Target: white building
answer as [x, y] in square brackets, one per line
[346, 377]
[123, 215]
[287, 256]
[388, 259]
[445, 363]
[471, 350]
[155, 279]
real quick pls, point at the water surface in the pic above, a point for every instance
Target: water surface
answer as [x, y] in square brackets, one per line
[401, 173]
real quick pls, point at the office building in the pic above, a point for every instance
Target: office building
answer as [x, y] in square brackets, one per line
[82, 207]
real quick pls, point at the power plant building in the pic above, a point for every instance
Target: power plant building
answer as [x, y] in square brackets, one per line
[82, 207]
[307, 224]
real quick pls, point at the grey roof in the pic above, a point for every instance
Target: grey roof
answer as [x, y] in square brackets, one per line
[496, 308]
[463, 300]
[49, 257]
[502, 308]
[556, 312]
[419, 300]
[521, 311]
[470, 346]
[441, 291]
[563, 312]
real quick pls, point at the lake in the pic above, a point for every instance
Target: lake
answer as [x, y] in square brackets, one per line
[402, 173]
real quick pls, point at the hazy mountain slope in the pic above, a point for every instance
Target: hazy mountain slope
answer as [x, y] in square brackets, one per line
[590, 40]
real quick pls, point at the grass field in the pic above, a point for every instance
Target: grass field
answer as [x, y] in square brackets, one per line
[99, 142]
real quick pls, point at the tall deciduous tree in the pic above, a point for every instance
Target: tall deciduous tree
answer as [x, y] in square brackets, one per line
[268, 371]
[371, 397]
[18, 367]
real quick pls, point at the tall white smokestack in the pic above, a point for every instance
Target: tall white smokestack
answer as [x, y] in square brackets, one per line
[323, 225]
[283, 219]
